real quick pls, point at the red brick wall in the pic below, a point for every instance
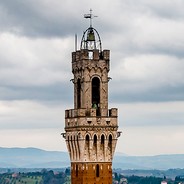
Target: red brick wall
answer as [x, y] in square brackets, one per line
[87, 173]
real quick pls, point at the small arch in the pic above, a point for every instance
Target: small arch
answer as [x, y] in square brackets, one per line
[102, 139]
[102, 145]
[87, 137]
[97, 170]
[95, 143]
[95, 139]
[87, 144]
[87, 140]
[110, 138]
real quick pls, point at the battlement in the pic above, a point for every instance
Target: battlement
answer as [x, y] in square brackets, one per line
[95, 54]
[74, 113]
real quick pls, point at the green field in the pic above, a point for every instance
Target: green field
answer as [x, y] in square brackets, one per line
[21, 180]
[44, 177]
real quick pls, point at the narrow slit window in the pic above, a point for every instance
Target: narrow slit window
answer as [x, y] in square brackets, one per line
[97, 171]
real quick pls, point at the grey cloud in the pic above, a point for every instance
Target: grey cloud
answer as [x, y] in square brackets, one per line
[140, 28]
[154, 114]
[37, 18]
[58, 18]
[166, 9]
[162, 94]
[128, 36]
[155, 38]
[58, 93]
[25, 114]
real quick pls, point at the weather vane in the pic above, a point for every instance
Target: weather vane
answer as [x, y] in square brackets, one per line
[90, 16]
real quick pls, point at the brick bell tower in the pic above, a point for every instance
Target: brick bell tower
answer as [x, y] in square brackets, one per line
[91, 129]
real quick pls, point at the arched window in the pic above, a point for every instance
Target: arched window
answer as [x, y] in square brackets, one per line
[87, 140]
[95, 139]
[87, 152]
[95, 92]
[110, 138]
[110, 142]
[78, 93]
[97, 171]
[102, 139]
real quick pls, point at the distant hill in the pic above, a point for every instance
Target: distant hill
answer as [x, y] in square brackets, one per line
[161, 162]
[32, 158]
[37, 158]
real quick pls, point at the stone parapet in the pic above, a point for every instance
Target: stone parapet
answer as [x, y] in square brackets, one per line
[95, 54]
[91, 122]
[74, 113]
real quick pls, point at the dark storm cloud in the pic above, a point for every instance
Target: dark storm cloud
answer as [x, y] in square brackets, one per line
[60, 92]
[37, 18]
[162, 94]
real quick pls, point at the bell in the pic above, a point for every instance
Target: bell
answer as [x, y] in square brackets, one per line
[91, 36]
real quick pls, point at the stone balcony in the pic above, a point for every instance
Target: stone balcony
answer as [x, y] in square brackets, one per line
[91, 117]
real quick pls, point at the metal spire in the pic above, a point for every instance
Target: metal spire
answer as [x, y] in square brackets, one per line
[90, 16]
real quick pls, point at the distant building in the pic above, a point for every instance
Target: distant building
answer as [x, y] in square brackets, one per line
[15, 175]
[123, 181]
[56, 173]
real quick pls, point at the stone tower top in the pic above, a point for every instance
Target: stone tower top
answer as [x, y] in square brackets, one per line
[91, 38]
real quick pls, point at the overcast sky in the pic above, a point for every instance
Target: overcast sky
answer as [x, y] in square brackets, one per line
[146, 41]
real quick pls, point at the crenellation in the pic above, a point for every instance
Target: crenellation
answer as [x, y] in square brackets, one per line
[106, 55]
[113, 112]
[71, 113]
[73, 57]
[96, 55]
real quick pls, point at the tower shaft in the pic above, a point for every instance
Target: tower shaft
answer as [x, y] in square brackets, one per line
[91, 128]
